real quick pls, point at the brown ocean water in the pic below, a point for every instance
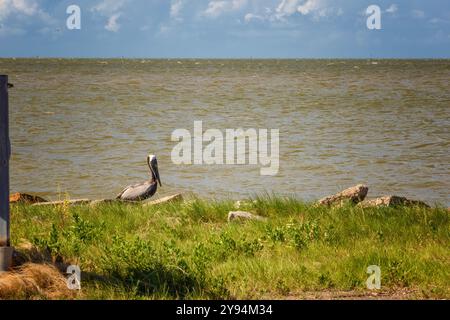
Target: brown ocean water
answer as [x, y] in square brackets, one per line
[84, 127]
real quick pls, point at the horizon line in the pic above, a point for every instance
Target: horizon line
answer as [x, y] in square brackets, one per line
[221, 58]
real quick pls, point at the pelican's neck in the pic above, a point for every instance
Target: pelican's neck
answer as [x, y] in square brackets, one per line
[152, 174]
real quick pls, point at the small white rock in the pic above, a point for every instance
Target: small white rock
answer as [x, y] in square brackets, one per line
[237, 215]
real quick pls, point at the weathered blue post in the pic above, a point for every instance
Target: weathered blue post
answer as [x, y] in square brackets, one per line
[5, 151]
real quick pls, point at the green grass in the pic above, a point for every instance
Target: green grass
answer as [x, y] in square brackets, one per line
[189, 250]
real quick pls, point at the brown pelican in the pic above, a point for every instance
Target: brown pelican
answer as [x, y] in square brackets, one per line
[144, 190]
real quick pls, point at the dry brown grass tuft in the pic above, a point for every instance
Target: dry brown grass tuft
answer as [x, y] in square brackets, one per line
[34, 281]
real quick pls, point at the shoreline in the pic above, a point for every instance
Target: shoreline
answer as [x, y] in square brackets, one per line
[356, 195]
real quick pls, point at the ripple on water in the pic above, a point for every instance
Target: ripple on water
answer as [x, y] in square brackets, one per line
[341, 123]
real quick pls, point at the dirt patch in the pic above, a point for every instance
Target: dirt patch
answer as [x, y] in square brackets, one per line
[394, 294]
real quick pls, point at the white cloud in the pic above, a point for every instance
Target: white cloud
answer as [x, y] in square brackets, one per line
[175, 9]
[24, 7]
[418, 14]
[217, 8]
[287, 7]
[238, 4]
[392, 9]
[439, 20]
[112, 10]
[316, 8]
[109, 7]
[310, 6]
[252, 17]
[13, 11]
[112, 24]
[260, 14]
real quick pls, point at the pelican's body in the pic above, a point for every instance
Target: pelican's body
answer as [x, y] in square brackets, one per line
[144, 190]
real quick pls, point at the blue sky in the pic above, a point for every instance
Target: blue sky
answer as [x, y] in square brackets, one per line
[225, 29]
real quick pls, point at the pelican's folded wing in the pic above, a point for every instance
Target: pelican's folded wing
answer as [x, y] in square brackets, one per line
[136, 192]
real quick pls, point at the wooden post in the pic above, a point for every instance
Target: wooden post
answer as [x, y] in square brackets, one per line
[5, 152]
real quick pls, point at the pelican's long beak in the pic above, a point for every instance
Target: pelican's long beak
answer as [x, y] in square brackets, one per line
[157, 175]
[153, 165]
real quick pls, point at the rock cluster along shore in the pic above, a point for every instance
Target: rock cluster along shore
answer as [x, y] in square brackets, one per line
[38, 201]
[355, 195]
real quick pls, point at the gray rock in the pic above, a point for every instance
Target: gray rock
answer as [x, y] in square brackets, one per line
[354, 194]
[391, 201]
[25, 198]
[242, 215]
